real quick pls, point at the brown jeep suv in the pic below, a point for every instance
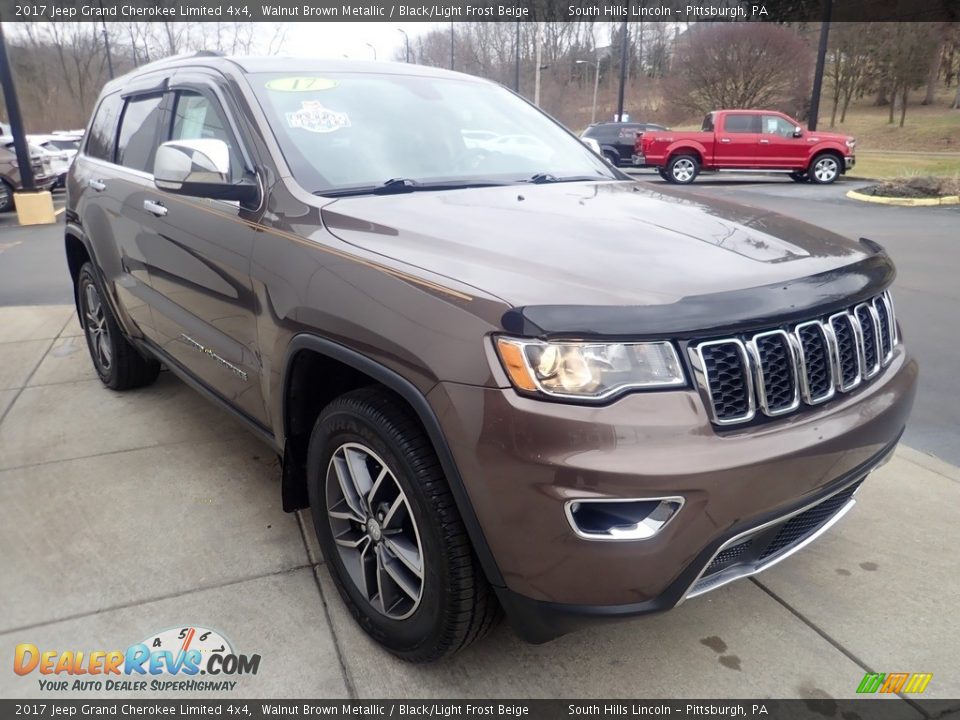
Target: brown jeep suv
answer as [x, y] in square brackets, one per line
[501, 375]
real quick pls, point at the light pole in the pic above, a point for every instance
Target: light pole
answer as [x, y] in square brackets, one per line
[516, 66]
[596, 82]
[818, 73]
[374, 50]
[451, 45]
[406, 39]
[624, 38]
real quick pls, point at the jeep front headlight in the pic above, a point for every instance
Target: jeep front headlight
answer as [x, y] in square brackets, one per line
[587, 370]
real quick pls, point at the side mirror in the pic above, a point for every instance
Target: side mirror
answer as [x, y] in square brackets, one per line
[199, 168]
[798, 131]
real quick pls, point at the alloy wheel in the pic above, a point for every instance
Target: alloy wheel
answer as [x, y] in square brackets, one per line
[96, 328]
[826, 169]
[374, 530]
[683, 170]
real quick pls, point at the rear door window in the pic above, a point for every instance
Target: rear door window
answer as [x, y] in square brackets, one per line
[103, 129]
[742, 124]
[139, 133]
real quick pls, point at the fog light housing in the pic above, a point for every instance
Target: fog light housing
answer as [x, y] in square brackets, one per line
[616, 519]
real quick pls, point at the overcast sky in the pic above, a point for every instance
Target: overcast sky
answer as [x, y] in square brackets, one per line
[335, 39]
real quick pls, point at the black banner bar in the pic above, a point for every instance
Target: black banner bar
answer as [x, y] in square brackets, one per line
[479, 10]
[886, 708]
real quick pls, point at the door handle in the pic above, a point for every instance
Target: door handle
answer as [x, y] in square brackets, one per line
[154, 208]
[98, 185]
[765, 142]
[724, 140]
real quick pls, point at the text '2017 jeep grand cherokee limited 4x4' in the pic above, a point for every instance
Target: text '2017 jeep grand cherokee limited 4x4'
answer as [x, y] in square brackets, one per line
[498, 379]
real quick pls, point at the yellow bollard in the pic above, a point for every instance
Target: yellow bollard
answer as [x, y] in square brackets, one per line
[34, 208]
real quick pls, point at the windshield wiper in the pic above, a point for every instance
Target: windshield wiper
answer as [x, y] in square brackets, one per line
[544, 178]
[396, 186]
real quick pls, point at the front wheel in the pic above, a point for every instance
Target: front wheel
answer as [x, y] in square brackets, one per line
[117, 362]
[824, 169]
[390, 531]
[683, 169]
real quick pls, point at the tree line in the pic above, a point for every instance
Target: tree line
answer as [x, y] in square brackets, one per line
[674, 71]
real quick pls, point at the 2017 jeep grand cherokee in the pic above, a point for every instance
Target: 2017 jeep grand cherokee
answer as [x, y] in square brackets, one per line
[498, 378]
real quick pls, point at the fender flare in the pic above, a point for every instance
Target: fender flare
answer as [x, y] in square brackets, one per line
[682, 146]
[418, 402]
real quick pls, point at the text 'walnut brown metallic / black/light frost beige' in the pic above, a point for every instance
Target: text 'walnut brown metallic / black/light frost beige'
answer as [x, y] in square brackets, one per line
[503, 376]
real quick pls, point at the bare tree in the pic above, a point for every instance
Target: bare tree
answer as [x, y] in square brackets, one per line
[739, 65]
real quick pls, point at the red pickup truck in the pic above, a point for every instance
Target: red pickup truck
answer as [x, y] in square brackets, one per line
[762, 140]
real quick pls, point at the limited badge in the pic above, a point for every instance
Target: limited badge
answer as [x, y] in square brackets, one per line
[300, 84]
[314, 117]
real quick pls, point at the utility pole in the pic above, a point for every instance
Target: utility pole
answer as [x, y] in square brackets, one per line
[516, 66]
[539, 56]
[596, 82]
[451, 45]
[16, 120]
[623, 69]
[821, 60]
[106, 45]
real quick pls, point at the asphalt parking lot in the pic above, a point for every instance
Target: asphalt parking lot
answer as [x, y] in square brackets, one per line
[131, 513]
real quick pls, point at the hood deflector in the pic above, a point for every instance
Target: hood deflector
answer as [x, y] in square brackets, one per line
[717, 313]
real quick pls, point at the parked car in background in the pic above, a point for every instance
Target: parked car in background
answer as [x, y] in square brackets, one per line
[59, 142]
[10, 179]
[59, 151]
[762, 140]
[617, 139]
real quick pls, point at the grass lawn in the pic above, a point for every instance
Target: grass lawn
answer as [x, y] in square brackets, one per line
[881, 165]
[931, 128]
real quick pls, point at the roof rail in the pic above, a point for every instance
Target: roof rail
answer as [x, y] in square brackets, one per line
[207, 53]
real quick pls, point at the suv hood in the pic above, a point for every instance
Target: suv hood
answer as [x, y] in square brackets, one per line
[606, 243]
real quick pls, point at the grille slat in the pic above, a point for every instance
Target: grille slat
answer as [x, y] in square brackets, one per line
[868, 331]
[880, 304]
[848, 356]
[728, 374]
[776, 370]
[817, 367]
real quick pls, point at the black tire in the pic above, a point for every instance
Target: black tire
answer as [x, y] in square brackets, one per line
[682, 169]
[663, 174]
[800, 177]
[456, 605]
[118, 363]
[6, 197]
[612, 157]
[825, 168]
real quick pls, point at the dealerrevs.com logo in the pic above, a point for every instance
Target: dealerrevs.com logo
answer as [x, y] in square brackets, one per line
[171, 660]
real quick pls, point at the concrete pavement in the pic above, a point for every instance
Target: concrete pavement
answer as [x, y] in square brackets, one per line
[125, 514]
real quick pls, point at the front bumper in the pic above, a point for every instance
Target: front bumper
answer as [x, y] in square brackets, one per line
[849, 161]
[638, 160]
[522, 459]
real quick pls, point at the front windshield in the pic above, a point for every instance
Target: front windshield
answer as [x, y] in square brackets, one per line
[353, 130]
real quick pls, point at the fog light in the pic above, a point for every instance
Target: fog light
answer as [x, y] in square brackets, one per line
[621, 519]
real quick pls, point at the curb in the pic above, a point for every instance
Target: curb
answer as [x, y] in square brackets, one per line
[905, 202]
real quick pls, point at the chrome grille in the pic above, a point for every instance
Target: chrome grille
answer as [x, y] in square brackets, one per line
[778, 370]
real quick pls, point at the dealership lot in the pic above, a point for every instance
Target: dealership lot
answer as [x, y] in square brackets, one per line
[106, 556]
